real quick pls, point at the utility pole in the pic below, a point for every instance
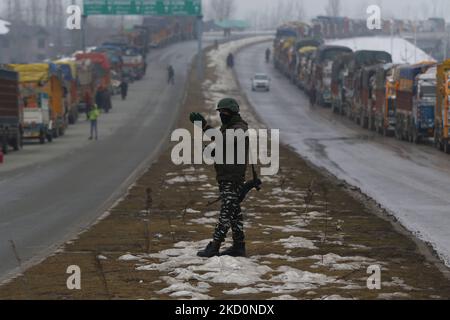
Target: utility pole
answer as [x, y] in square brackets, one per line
[200, 47]
[415, 41]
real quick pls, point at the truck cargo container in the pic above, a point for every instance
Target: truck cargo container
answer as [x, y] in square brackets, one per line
[68, 69]
[43, 78]
[442, 114]
[323, 63]
[10, 115]
[339, 73]
[413, 120]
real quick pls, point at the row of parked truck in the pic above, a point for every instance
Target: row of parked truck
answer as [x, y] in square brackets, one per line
[330, 27]
[408, 101]
[38, 101]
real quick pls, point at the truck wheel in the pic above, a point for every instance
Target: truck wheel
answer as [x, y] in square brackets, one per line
[42, 138]
[447, 147]
[16, 144]
[71, 119]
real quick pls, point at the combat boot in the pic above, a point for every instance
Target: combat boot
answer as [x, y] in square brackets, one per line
[212, 249]
[237, 250]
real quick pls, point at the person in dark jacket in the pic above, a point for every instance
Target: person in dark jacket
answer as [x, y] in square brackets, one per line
[124, 89]
[230, 61]
[231, 179]
[170, 75]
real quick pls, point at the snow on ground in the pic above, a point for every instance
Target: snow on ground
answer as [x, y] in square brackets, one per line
[247, 274]
[187, 178]
[297, 242]
[402, 51]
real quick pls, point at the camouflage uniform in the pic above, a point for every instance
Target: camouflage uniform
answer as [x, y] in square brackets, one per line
[230, 213]
[231, 179]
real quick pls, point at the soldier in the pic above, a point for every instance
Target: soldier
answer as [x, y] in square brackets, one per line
[231, 178]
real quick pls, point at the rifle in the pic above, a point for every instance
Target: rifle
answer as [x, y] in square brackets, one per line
[255, 183]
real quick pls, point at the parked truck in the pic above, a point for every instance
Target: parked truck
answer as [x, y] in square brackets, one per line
[323, 64]
[414, 114]
[42, 100]
[10, 115]
[68, 69]
[384, 95]
[442, 114]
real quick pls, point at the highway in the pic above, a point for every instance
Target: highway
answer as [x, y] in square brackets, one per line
[50, 193]
[412, 182]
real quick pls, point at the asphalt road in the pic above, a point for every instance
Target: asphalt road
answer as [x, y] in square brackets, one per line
[49, 193]
[412, 182]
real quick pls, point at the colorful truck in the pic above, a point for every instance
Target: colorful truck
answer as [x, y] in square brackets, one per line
[95, 79]
[68, 69]
[10, 115]
[383, 96]
[322, 69]
[442, 114]
[41, 83]
[368, 61]
[415, 114]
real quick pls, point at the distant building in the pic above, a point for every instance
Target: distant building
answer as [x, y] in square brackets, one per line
[24, 43]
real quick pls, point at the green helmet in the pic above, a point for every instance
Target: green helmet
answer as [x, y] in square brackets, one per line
[229, 104]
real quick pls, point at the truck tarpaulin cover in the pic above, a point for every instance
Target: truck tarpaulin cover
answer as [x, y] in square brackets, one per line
[68, 70]
[408, 74]
[35, 72]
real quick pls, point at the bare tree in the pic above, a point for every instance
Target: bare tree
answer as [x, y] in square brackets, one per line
[333, 8]
[300, 12]
[222, 9]
[435, 7]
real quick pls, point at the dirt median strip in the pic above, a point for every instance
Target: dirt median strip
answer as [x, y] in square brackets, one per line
[307, 236]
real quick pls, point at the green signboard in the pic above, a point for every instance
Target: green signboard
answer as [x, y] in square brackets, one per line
[143, 7]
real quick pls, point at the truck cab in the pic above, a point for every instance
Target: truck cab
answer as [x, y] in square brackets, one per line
[423, 104]
[37, 123]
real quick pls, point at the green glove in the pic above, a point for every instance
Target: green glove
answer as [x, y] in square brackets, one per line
[195, 116]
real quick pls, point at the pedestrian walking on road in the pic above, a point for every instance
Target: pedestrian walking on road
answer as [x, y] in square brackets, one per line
[94, 114]
[124, 89]
[231, 178]
[230, 61]
[170, 75]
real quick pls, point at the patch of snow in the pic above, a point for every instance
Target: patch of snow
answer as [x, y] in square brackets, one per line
[239, 291]
[297, 242]
[338, 263]
[187, 178]
[334, 297]
[204, 221]
[395, 295]
[129, 257]
[284, 297]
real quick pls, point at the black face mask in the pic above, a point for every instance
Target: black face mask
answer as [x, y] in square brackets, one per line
[226, 118]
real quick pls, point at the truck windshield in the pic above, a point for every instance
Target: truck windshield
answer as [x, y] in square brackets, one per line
[428, 91]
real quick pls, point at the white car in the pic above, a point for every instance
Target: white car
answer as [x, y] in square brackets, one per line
[261, 81]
